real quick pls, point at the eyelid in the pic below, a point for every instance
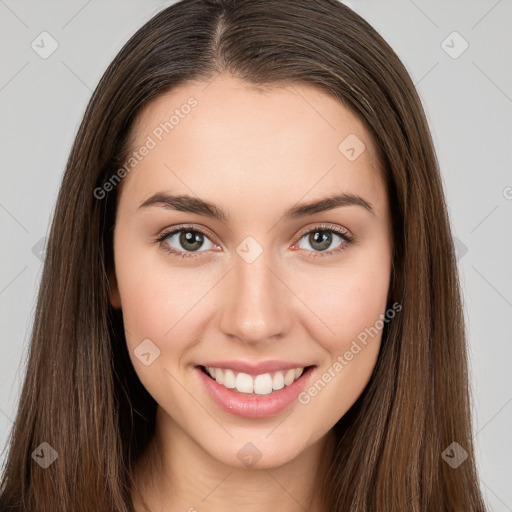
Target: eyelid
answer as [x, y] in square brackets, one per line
[327, 227]
[167, 232]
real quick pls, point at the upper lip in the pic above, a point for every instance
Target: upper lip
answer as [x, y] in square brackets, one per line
[255, 368]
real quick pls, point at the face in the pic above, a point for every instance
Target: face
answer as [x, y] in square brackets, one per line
[247, 298]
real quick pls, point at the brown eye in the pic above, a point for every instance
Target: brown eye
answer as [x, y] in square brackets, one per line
[184, 242]
[322, 240]
[191, 240]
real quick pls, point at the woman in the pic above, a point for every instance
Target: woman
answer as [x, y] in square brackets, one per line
[250, 292]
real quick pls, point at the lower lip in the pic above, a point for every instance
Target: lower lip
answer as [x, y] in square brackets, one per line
[254, 406]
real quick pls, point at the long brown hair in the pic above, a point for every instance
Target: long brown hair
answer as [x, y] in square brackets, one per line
[81, 394]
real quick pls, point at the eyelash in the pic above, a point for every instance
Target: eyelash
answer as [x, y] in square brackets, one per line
[329, 228]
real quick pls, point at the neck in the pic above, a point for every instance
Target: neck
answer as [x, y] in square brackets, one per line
[176, 474]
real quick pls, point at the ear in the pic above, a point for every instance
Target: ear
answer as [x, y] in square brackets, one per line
[114, 296]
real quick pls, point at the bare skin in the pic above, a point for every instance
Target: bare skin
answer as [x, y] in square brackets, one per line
[255, 155]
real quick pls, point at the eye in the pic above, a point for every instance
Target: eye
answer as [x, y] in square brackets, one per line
[322, 237]
[184, 241]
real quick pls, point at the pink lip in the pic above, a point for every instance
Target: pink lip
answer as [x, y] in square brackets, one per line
[255, 368]
[249, 405]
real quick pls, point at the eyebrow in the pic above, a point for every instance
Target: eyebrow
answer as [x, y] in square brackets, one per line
[184, 203]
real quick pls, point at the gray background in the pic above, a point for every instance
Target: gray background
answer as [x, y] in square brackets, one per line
[468, 99]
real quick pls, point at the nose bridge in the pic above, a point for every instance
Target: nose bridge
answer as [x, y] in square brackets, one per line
[255, 309]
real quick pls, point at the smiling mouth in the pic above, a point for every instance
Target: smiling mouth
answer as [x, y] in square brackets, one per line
[263, 384]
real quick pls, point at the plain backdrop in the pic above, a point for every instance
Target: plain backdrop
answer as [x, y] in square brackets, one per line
[458, 55]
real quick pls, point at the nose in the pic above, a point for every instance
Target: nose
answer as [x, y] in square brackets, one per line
[257, 302]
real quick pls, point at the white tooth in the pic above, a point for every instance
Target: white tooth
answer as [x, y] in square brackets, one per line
[263, 384]
[219, 375]
[278, 380]
[229, 379]
[289, 377]
[244, 383]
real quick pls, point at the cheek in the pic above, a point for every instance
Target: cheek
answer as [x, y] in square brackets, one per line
[348, 299]
[356, 308]
[157, 299]
[352, 311]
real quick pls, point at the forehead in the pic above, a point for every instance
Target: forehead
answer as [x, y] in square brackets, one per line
[229, 136]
